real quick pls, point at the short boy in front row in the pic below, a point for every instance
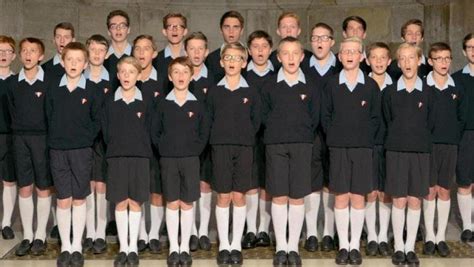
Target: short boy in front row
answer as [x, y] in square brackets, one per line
[72, 107]
[234, 110]
[125, 120]
[350, 116]
[407, 108]
[449, 105]
[180, 132]
[26, 94]
[291, 103]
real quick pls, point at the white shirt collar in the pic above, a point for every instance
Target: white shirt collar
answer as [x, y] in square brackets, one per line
[104, 74]
[6, 76]
[167, 51]
[431, 82]
[127, 51]
[81, 84]
[281, 77]
[387, 81]
[202, 73]
[39, 76]
[172, 97]
[467, 70]
[153, 75]
[401, 84]
[119, 95]
[351, 87]
[313, 62]
[242, 83]
[251, 67]
[56, 59]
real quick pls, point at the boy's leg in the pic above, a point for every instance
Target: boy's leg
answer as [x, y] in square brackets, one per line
[9, 199]
[280, 220]
[121, 215]
[172, 224]
[398, 211]
[134, 217]
[370, 220]
[264, 207]
[311, 203]
[296, 213]
[429, 207]
[27, 209]
[328, 232]
[251, 200]
[186, 222]
[238, 220]
[156, 217]
[413, 221]
[143, 235]
[101, 210]
[204, 215]
[222, 219]
[385, 210]
[43, 207]
[357, 223]
[443, 208]
[90, 218]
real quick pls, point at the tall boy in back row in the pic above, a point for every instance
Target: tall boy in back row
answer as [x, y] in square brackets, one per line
[63, 35]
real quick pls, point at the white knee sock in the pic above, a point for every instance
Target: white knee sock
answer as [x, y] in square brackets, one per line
[78, 224]
[193, 226]
[328, 203]
[238, 224]
[222, 219]
[342, 225]
[186, 225]
[156, 216]
[295, 222]
[172, 225]
[90, 221]
[398, 224]
[43, 206]
[64, 227]
[142, 229]
[311, 204]
[357, 223]
[264, 207]
[204, 213]
[464, 203]
[370, 218]
[252, 209]
[101, 216]
[385, 209]
[53, 212]
[280, 220]
[9, 199]
[413, 221]
[134, 218]
[443, 215]
[121, 217]
[26, 213]
[429, 207]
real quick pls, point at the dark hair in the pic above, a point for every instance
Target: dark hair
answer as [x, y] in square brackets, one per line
[181, 61]
[324, 26]
[195, 36]
[232, 14]
[437, 47]
[417, 22]
[174, 15]
[65, 26]
[259, 34]
[376, 45]
[466, 39]
[116, 13]
[33, 40]
[98, 38]
[75, 46]
[357, 19]
[147, 37]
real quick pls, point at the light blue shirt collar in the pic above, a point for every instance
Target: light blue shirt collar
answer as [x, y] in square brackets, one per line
[431, 82]
[104, 74]
[6, 76]
[351, 87]
[281, 77]
[153, 75]
[251, 67]
[172, 97]
[56, 59]
[167, 52]
[119, 95]
[467, 70]
[81, 84]
[202, 73]
[127, 51]
[242, 83]
[387, 81]
[39, 76]
[401, 84]
[313, 62]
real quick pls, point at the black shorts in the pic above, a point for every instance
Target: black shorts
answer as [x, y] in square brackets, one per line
[408, 174]
[317, 172]
[71, 171]
[465, 164]
[232, 168]
[155, 174]
[31, 160]
[350, 170]
[180, 178]
[443, 165]
[379, 170]
[128, 177]
[99, 169]
[258, 168]
[205, 165]
[289, 169]
[7, 169]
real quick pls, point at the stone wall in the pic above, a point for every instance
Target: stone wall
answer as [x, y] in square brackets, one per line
[444, 20]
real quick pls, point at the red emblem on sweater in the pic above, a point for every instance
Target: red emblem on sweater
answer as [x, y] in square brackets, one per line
[190, 114]
[303, 96]
[139, 114]
[157, 94]
[84, 101]
[38, 94]
[245, 100]
[363, 103]
[420, 104]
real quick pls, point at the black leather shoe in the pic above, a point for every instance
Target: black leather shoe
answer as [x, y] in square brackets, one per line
[412, 259]
[111, 229]
[236, 257]
[173, 259]
[141, 245]
[384, 249]
[398, 258]
[38, 247]
[23, 248]
[280, 258]
[429, 248]
[100, 246]
[7, 233]
[193, 243]
[342, 257]
[120, 260]
[64, 259]
[443, 249]
[185, 259]
[355, 258]
[263, 240]
[327, 244]
[223, 257]
[466, 236]
[87, 245]
[54, 234]
[132, 259]
[372, 248]
[249, 241]
[311, 244]
[204, 243]
[294, 259]
[77, 259]
[155, 246]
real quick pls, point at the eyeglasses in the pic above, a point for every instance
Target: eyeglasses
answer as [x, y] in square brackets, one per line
[442, 59]
[121, 26]
[6, 52]
[235, 58]
[170, 27]
[350, 52]
[322, 38]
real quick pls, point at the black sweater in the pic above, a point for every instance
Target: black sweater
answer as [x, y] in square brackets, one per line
[52, 70]
[395, 71]
[351, 119]
[126, 127]
[180, 131]
[235, 115]
[466, 81]
[200, 87]
[72, 116]
[5, 120]
[257, 81]
[152, 89]
[409, 119]
[111, 65]
[213, 63]
[160, 63]
[290, 114]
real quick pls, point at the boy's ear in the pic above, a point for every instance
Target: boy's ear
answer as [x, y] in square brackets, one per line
[344, 34]
[155, 53]
[278, 57]
[430, 61]
[244, 64]
[169, 78]
[86, 65]
[389, 61]
[222, 63]
[163, 31]
[339, 56]
[185, 32]
[206, 53]
[278, 32]
[368, 63]
[464, 53]
[42, 57]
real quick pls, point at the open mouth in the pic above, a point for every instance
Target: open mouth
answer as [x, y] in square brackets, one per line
[3, 60]
[174, 35]
[350, 61]
[231, 67]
